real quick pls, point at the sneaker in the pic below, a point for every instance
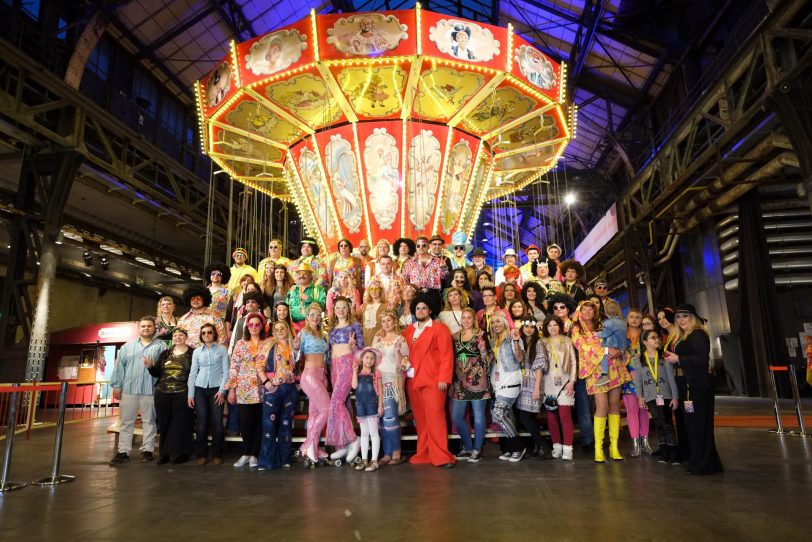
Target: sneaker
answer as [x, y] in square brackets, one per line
[463, 454]
[253, 462]
[602, 380]
[119, 458]
[242, 461]
[515, 457]
[505, 456]
[558, 451]
[146, 457]
[475, 457]
[566, 453]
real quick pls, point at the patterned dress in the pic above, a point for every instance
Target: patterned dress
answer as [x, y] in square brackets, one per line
[340, 432]
[471, 374]
[526, 401]
[633, 350]
[590, 354]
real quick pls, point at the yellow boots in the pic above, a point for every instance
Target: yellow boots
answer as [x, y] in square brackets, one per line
[599, 425]
[614, 433]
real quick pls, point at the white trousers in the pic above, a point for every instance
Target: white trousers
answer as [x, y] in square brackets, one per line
[127, 412]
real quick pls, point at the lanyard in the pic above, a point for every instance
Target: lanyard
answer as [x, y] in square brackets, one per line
[554, 351]
[654, 370]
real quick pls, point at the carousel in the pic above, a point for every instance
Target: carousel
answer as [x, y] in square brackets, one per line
[385, 125]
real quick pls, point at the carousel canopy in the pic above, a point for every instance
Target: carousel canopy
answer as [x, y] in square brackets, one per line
[386, 124]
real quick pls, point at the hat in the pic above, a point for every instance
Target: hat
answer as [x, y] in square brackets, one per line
[592, 304]
[478, 252]
[690, 309]
[400, 241]
[197, 291]
[256, 315]
[312, 242]
[532, 247]
[360, 353]
[436, 237]
[601, 280]
[573, 264]
[217, 266]
[240, 250]
[553, 246]
[510, 252]
[460, 239]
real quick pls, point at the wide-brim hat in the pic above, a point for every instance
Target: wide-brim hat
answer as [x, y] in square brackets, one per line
[194, 291]
[459, 239]
[478, 252]
[436, 237]
[510, 252]
[312, 242]
[690, 309]
[217, 266]
[240, 250]
[360, 353]
[396, 246]
[553, 245]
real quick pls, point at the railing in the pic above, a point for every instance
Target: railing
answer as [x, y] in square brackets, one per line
[37, 404]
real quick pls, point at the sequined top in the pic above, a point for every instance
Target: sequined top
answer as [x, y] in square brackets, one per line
[172, 371]
[312, 345]
[471, 380]
[341, 335]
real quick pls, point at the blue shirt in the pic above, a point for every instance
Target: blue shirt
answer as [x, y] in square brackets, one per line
[129, 375]
[210, 366]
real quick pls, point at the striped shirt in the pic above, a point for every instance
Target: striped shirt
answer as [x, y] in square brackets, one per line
[129, 374]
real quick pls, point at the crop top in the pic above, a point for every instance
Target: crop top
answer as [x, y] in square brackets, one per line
[342, 335]
[312, 345]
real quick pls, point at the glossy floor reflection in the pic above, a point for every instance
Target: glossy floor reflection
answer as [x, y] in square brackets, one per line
[764, 494]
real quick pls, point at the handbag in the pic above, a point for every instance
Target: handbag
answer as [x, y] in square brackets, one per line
[550, 402]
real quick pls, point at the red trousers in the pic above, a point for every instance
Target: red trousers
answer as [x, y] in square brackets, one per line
[428, 407]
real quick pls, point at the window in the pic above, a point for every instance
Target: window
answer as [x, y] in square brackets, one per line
[145, 93]
[31, 8]
[99, 60]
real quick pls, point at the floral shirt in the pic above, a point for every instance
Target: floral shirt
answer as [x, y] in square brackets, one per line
[392, 288]
[192, 320]
[298, 306]
[318, 267]
[339, 263]
[219, 301]
[243, 377]
[428, 276]
[590, 354]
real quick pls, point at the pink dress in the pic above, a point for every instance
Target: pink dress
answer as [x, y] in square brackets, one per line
[340, 432]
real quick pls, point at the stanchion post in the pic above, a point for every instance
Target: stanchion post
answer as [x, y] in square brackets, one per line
[5, 485]
[55, 477]
[796, 396]
[779, 429]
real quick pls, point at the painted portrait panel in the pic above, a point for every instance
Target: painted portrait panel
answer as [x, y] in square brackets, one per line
[307, 97]
[373, 92]
[316, 186]
[218, 84]
[458, 171]
[382, 160]
[276, 52]
[367, 34]
[342, 167]
[424, 176]
[536, 67]
[464, 40]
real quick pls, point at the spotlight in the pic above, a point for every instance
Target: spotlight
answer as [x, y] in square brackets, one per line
[104, 262]
[569, 199]
[88, 258]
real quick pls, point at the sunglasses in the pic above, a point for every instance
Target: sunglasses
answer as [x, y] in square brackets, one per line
[343, 245]
[421, 308]
[421, 245]
[600, 287]
[559, 307]
[273, 247]
[459, 248]
[216, 274]
[207, 332]
[254, 324]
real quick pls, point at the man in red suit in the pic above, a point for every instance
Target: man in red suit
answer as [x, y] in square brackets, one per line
[431, 355]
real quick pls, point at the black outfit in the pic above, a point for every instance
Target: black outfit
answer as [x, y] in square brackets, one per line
[171, 406]
[576, 291]
[530, 422]
[694, 360]
[250, 419]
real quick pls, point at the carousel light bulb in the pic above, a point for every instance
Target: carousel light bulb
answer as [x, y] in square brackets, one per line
[569, 199]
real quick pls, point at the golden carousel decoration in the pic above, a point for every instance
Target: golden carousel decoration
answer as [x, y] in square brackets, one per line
[385, 125]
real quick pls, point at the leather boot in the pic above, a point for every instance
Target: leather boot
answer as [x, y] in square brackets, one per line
[614, 435]
[599, 425]
[635, 447]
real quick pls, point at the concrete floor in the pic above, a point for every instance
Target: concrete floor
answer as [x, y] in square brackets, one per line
[764, 494]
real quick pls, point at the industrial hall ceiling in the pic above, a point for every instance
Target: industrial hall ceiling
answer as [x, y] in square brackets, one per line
[629, 64]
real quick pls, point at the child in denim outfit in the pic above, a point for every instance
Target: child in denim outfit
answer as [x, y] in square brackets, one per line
[366, 381]
[613, 336]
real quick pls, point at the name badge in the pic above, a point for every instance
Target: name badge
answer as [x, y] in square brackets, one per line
[660, 400]
[689, 407]
[496, 376]
[410, 372]
[557, 381]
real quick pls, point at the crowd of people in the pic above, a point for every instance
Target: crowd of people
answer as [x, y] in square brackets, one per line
[416, 326]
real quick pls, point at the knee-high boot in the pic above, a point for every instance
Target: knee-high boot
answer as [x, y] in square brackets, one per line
[599, 425]
[614, 434]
